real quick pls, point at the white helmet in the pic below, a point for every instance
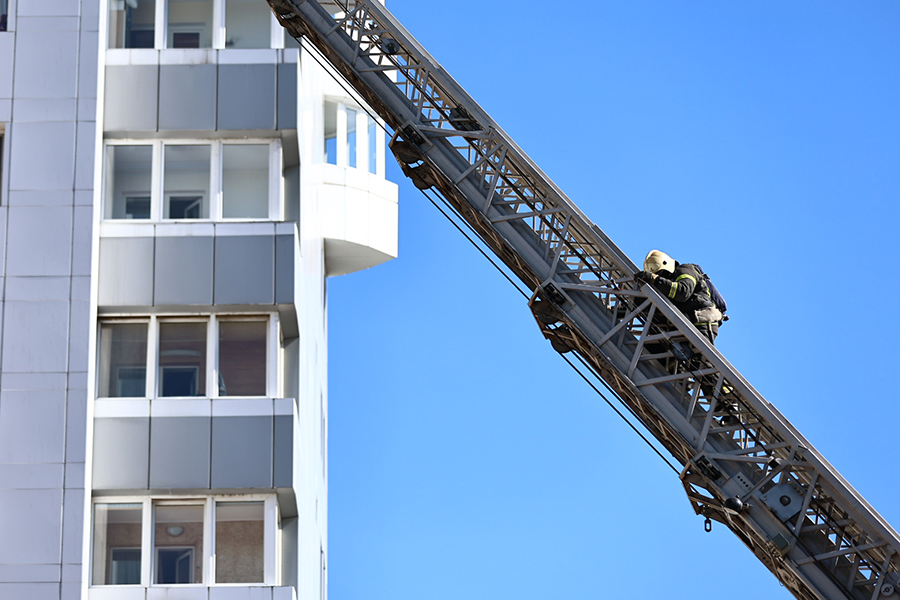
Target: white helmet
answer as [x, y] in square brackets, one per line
[658, 261]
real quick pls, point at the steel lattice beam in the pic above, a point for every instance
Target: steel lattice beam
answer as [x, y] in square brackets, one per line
[744, 464]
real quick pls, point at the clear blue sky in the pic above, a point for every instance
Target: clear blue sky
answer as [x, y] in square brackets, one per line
[758, 139]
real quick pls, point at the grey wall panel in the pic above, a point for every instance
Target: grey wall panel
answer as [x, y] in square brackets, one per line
[241, 452]
[37, 535]
[41, 156]
[32, 426]
[76, 426]
[283, 451]
[84, 160]
[87, 64]
[183, 270]
[121, 453]
[287, 96]
[39, 240]
[284, 269]
[247, 96]
[245, 269]
[131, 98]
[126, 272]
[59, 8]
[290, 532]
[73, 528]
[82, 240]
[179, 452]
[79, 333]
[187, 97]
[7, 43]
[46, 66]
[34, 337]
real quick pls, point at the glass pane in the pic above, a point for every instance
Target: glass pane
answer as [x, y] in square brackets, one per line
[122, 372]
[373, 146]
[178, 544]
[351, 137]
[131, 23]
[117, 544]
[182, 359]
[129, 175]
[331, 133]
[240, 542]
[242, 358]
[190, 24]
[248, 24]
[186, 182]
[245, 181]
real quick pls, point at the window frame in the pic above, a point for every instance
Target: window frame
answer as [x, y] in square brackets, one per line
[365, 141]
[272, 558]
[159, 195]
[153, 381]
[162, 30]
[10, 16]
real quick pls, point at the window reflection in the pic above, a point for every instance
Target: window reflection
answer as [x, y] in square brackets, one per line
[117, 544]
[178, 544]
[182, 359]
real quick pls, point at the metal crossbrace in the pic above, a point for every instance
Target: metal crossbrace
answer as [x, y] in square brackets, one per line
[744, 464]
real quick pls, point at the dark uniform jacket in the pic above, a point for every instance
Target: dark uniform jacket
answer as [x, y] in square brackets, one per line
[689, 292]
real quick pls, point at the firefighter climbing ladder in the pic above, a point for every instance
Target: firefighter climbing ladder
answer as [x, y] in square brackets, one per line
[744, 464]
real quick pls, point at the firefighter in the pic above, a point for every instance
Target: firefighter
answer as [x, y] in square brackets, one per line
[685, 286]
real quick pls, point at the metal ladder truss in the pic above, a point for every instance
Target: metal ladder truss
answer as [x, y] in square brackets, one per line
[744, 464]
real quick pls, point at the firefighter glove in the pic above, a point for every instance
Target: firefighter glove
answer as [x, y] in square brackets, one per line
[645, 276]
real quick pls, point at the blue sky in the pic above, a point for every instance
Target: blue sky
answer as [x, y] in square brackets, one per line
[760, 140]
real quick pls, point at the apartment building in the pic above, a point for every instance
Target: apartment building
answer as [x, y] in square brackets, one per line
[177, 182]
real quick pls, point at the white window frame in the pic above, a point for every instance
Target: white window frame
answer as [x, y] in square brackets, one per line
[271, 537]
[157, 185]
[363, 119]
[153, 382]
[217, 25]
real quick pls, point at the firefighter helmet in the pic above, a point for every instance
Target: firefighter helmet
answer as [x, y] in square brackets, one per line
[657, 261]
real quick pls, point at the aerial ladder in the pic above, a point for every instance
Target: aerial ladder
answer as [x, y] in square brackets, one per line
[743, 464]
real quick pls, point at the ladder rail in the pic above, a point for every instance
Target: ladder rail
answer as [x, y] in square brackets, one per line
[744, 464]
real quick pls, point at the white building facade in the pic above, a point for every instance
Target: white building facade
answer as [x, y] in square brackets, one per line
[177, 182]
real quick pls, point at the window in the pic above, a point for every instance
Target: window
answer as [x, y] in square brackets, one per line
[4, 15]
[240, 542]
[169, 181]
[123, 367]
[186, 181]
[117, 544]
[191, 24]
[129, 172]
[243, 362]
[185, 541]
[245, 181]
[351, 138]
